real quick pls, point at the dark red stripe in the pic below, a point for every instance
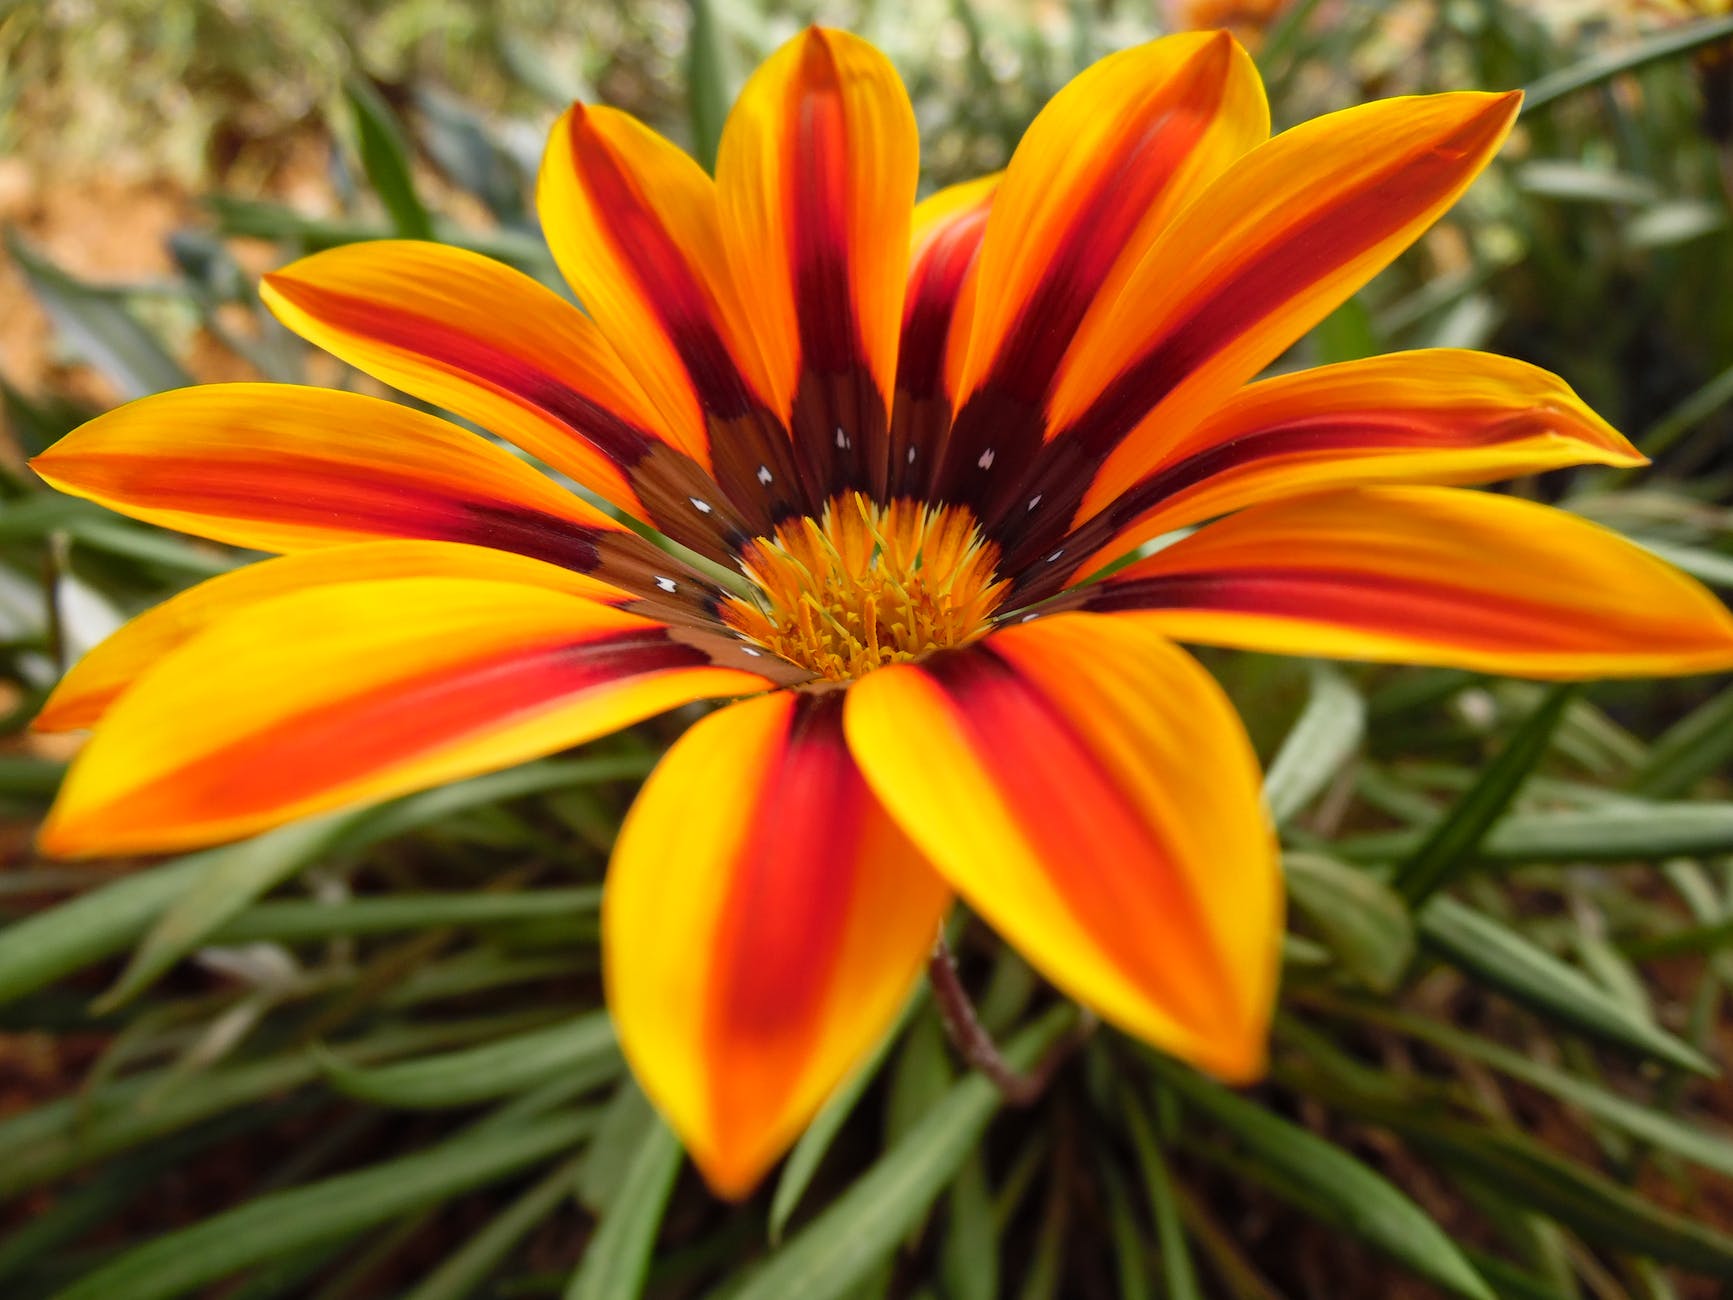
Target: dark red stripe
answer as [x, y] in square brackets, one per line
[1375, 602]
[1275, 274]
[782, 926]
[517, 378]
[838, 418]
[1004, 417]
[348, 739]
[318, 497]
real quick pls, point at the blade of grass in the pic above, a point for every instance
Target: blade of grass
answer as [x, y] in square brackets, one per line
[1179, 1277]
[1700, 744]
[1363, 921]
[385, 159]
[1604, 67]
[1328, 731]
[618, 1256]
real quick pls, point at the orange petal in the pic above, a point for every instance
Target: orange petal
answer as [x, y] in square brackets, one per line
[1282, 238]
[944, 241]
[634, 225]
[1438, 416]
[1087, 787]
[1427, 575]
[762, 924]
[472, 335]
[96, 680]
[286, 468]
[1101, 172]
[816, 174]
[354, 693]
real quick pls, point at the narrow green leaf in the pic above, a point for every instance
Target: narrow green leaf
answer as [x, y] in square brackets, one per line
[809, 1151]
[618, 1256]
[1363, 921]
[299, 920]
[1336, 1186]
[626, 1125]
[463, 1273]
[1577, 182]
[1600, 68]
[969, 1253]
[1626, 832]
[1453, 841]
[96, 325]
[1130, 1255]
[230, 878]
[1178, 1274]
[710, 80]
[281, 1223]
[863, 1225]
[1528, 974]
[1594, 1207]
[1711, 567]
[1698, 745]
[1328, 731]
[385, 159]
[583, 1047]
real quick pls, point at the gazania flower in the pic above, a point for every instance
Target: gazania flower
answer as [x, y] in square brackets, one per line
[890, 441]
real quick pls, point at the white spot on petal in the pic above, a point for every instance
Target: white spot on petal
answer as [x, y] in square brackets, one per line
[1056, 555]
[667, 584]
[986, 461]
[748, 650]
[841, 438]
[703, 507]
[764, 474]
[911, 455]
[1034, 500]
[1029, 618]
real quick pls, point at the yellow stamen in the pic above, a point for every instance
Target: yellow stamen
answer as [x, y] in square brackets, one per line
[868, 585]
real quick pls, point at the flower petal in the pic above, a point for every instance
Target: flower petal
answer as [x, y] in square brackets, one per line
[1101, 172]
[1282, 238]
[285, 468]
[1427, 575]
[944, 241]
[1443, 415]
[762, 924]
[96, 680]
[1087, 787]
[358, 692]
[472, 335]
[816, 175]
[634, 225]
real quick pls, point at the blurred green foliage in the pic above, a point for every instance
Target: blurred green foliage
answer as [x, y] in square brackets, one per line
[364, 1056]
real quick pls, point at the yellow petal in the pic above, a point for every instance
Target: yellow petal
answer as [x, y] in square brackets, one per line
[1088, 789]
[763, 922]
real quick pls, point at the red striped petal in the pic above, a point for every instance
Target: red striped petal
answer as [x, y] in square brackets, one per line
[1427, 575]
[1087, 787]
[763, 922]
[358, 692]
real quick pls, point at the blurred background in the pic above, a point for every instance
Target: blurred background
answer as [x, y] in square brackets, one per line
[347, 1064]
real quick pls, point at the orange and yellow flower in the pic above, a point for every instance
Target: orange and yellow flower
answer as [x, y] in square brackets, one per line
[901, 436]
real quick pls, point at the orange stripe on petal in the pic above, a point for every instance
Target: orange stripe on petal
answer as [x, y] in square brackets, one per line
[1089, 790]
[96, 680]
[1438, 416]
[762, 924]
[359, 692]
[1427, 575]
[816, 175]
[1099, 175]
[945, 240]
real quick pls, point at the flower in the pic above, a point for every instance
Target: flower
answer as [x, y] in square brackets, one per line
[892, 445]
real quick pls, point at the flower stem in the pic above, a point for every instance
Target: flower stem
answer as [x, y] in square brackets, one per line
[976, 1046]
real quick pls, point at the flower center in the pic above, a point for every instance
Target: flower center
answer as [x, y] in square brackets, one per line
[867, 585]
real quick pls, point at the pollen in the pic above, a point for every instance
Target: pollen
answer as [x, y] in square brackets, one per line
[867, 585]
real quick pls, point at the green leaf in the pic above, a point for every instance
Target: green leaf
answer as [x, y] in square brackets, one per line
[1327, 1182]
[618, 1256]
[301, 920]
[1328, 731]
[1711, 567]
[96, 325]
[229, 879]
[1452, 842]
[280, 1223]
[1526, 973]
[1576, 182]
[710, 80]
[626, 1125]
[1178, 1274]
[1627, 832]
[1597, 1209]
[1700, 744]
[464, 1272]
[969, 1252]
[863, 1225]
[385, 159]
[1600, 68]
[583, 1048]
[1362, 920]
